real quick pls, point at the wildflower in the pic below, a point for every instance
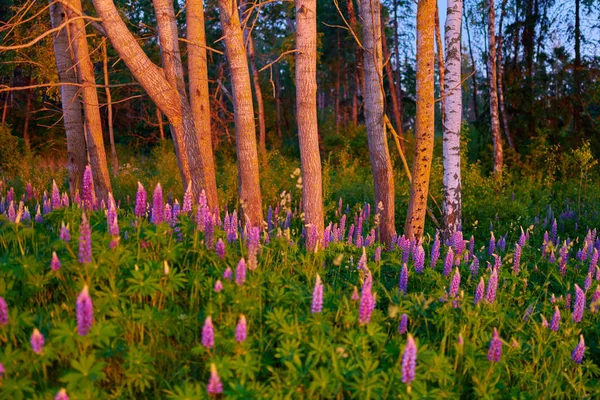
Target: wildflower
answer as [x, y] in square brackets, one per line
[455, 283]
[140, 201]
[240, 272]
[419, 258]
[474, 266]
[495, 351]
[367, 301]
[403, 325]
[355, 296]
[553, 231]
[240, 330]
[544, 322]
[528, 313]
[85, 240]
[492, 287]
[555, 323]
[588, 282]
[218, 286]
[85, 312]
[228, 274]
[87, 190]
[449, 262]
[55, 263]
[578, 351]
[220, 248]
[492, 246]
[317, 298]
[2, 371]
[214, 383]
[208, 333]
[479, 291]
[435, 251]
[579, 305]
[37, 341]
[377, 255]
[517, 260]
[471, 247]
[403, 284]
[55, 199]
[157, 205]
[552, 258]
[362, 262]
[64, 235]
[409, 361]
[187, 199]
[3, 312]
[61, 395]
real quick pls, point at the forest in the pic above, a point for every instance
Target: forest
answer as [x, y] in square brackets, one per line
[299, 199]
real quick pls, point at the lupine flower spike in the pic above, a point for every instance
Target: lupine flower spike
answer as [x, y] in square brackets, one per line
[409, 361]
[61, 395]
[208, 333]
[37, 341]
[578, 351]
[403, 325]
[55, 262]
[85, 312]
[241, 330]
[218, 286]
[495, 351]
[85, 240]
[240, 272]
[214, 386]
[479, 291]
[317, 299]
[555, 323]
[579, 305]
[3, 312]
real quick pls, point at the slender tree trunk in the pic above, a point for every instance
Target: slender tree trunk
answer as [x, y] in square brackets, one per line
[338, 78]
[473, 72]
[71, 107]
[359, 72]
[381, 164]
[26, 137]
[577, 72]
[277, 99]
[6, 98]
[528, 50]
[452, 205]
[496, 137]
[200, 96]
[111, 134]
[500, 68]
[91, 106]
[306, 111]
[245, 129]
[161, 129]
[440, 53]
[392, 87]
[419, 188]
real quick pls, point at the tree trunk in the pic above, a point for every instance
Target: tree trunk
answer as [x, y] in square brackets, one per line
[91, 106]
[500, 69]
[71, 107]
[396, 108]
[159, 119]
[306, 113]
[577, 72]
[26, 138]
[473, 72]
[419, 188]
[200, 96]
[6, 98]
[452, 205]
[496, 138]
[245, 129]
[277, 99]
[528, 52]
[111, 134]
[381, 165]
[359, 71]
[440, 53]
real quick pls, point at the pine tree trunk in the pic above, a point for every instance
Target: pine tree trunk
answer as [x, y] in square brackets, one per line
[91, 106]
[381, 165]
[111, 134]
[440, 53]
[419, 188]
[277, 98]
[26, 137]
[200, 96]
[396, 108]
[500, 69]
[306, 113]
[496, 138]
[245, 129]
[452, 205]
[71, 107]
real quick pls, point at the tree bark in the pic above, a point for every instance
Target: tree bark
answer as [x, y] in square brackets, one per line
[91, 106]
[496, 138]
[577, 72]
[473, 72]
[277, 98]
[111, 133]
[199, 94]
[71, 107]
[419, 188]
[306, 111]
[381, 164]
[245, 129]
[26, 137]
[396, 107]
[440, 53]
[159, 119]
[452, 204]
[500, 69]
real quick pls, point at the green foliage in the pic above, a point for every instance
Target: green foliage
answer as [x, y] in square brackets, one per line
[10, 156]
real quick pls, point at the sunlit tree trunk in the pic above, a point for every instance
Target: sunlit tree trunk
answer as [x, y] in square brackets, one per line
[26, 136]
[473, 72]
[111, 133]
[577, 72]
[440, 54]
[71, 107]
[245, 129]
[496, 138]
[500, 68]
[381, 165]
[277, 98]
[199, 94]
[452, 205]
[159, 120]
[91, 107]
[306, 111]
[396, 107]
[419, 188]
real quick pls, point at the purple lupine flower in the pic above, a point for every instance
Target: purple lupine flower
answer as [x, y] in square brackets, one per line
[140, 201]
[218, 286]
[85, 312]
[37, 341]
[220, 248]
[209, 230]
[492, 287]
[492, 246]
[87, 191]
[55, 262]
[517, 259]
[187, 199]
[377, 255]
[241, 330]
[240, 272]
[12, 215]
[55, 197]
[228, 274]
[587, 284]
[544, 322]
[435, 251]
[362, 262]
[471, 246]
[409, 361]
[522, 238]
[497, 262]
[208, 333]
[474, 267]
[567, 301]
[65, 199]
[553, 231]
[367, 300]
[578, 351]
[495, 351]
[449, 262]
[455, 284]
[157, 205]
[317, 297]
[528, 313]
[552, 258]
[593, 261]
[579, 305]
[479, 291]
[354, 296]
[3, 312]
[168, 214]
[403, 284]
[419, 258]
[555, 323]
[29, 191]
[403, 325]
[61, 395]
[111, 217]
[85, 240]
[460, 341]
[38, 216]
[214, 386]
[64, 233]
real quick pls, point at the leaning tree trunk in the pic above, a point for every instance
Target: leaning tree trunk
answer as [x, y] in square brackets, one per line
[496, 138]
[419, 188]
[199, 94]
[245, 129]
[306, 112]
[381, 165]
[452, 206]
[71, 107]
[91, 106]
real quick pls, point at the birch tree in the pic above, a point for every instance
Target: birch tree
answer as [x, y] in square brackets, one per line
[496, 138]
